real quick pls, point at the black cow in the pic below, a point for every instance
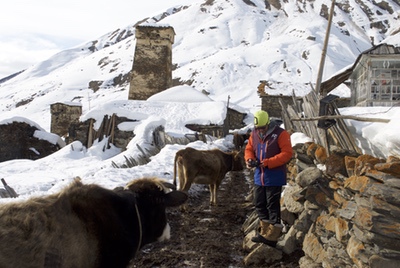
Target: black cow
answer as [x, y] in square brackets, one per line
[86, 225]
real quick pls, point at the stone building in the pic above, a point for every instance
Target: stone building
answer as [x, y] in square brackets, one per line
[63, 115]
[374, 78]
[152, 65]
[22, 139]
[272, 104]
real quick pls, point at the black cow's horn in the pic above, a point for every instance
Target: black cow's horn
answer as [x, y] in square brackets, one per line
[169, 185]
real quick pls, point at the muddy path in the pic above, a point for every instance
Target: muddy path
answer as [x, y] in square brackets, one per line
[205, 236]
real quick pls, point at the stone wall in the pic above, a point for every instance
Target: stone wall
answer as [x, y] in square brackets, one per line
[345, 216]
[152, 65]
[233, 120]
[18, 141]
[86, 134]
[62, 115]
[271, 104]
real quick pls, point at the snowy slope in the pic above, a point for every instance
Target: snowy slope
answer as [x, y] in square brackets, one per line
[222, 47]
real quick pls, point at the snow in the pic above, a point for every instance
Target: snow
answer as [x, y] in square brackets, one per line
[223, 53]
[94, 165]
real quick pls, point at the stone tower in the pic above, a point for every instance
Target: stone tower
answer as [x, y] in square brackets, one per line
[152, 65]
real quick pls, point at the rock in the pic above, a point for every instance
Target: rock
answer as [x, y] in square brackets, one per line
[358, 184]
[381, 242]
[249, 245]
[392, 158]
[310, 205]
[356, 249]
[372, 221]
[307, 262]
[348, 210]
[387, 179]
[307, 160]
[289, 243]
[289, 202]
[299, 196]
[321, 155]
[308, 176]
[263, 255]
[376, 261]
[251, 223]
[311, 147]
[317, 196]
[350, 162]
[300, 165]
[335, 162]
[287, 216]
[392, 168]
[304, 222]
[385, 193]
[336, 225]
[313, 248]
[345, 216]
[364, 163]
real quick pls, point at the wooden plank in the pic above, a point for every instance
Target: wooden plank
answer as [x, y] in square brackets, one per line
[352, 117]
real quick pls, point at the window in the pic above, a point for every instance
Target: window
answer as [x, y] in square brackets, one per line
[385, 79]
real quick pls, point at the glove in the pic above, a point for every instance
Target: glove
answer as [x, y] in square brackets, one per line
[265, 162]
[251, 163]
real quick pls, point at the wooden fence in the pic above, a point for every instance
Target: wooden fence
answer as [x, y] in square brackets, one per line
[303, 117]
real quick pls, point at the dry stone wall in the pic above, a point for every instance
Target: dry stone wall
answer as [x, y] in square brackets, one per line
[18, 141]
[346, 215]
[63, 115]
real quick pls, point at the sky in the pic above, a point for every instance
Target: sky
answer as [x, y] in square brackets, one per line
[32, 31]
[225, 54]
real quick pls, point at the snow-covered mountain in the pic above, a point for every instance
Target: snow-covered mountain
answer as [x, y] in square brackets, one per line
[224, 47]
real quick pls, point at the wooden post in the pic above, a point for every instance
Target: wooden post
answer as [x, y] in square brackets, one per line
[90, 134]
[322, 62]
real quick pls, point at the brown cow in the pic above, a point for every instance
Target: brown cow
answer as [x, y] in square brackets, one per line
[86, 225]
[239, 140]
[205, 167]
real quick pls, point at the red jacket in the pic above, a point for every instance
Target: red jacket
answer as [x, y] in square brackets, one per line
[274, 151]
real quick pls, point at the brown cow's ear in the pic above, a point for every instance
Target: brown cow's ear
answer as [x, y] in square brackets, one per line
[175, 198]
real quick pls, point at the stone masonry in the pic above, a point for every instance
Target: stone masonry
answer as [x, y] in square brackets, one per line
[63, 115]
[343, 216]
[152, 65]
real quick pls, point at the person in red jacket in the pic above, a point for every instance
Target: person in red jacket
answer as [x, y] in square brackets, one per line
[268, 150]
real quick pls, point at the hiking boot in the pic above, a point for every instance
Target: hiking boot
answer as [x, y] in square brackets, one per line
[261, 232]
[271, 236]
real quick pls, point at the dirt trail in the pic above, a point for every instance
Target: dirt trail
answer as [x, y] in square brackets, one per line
[205, 236]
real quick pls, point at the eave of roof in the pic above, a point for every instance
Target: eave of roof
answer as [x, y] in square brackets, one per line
[334, 81]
